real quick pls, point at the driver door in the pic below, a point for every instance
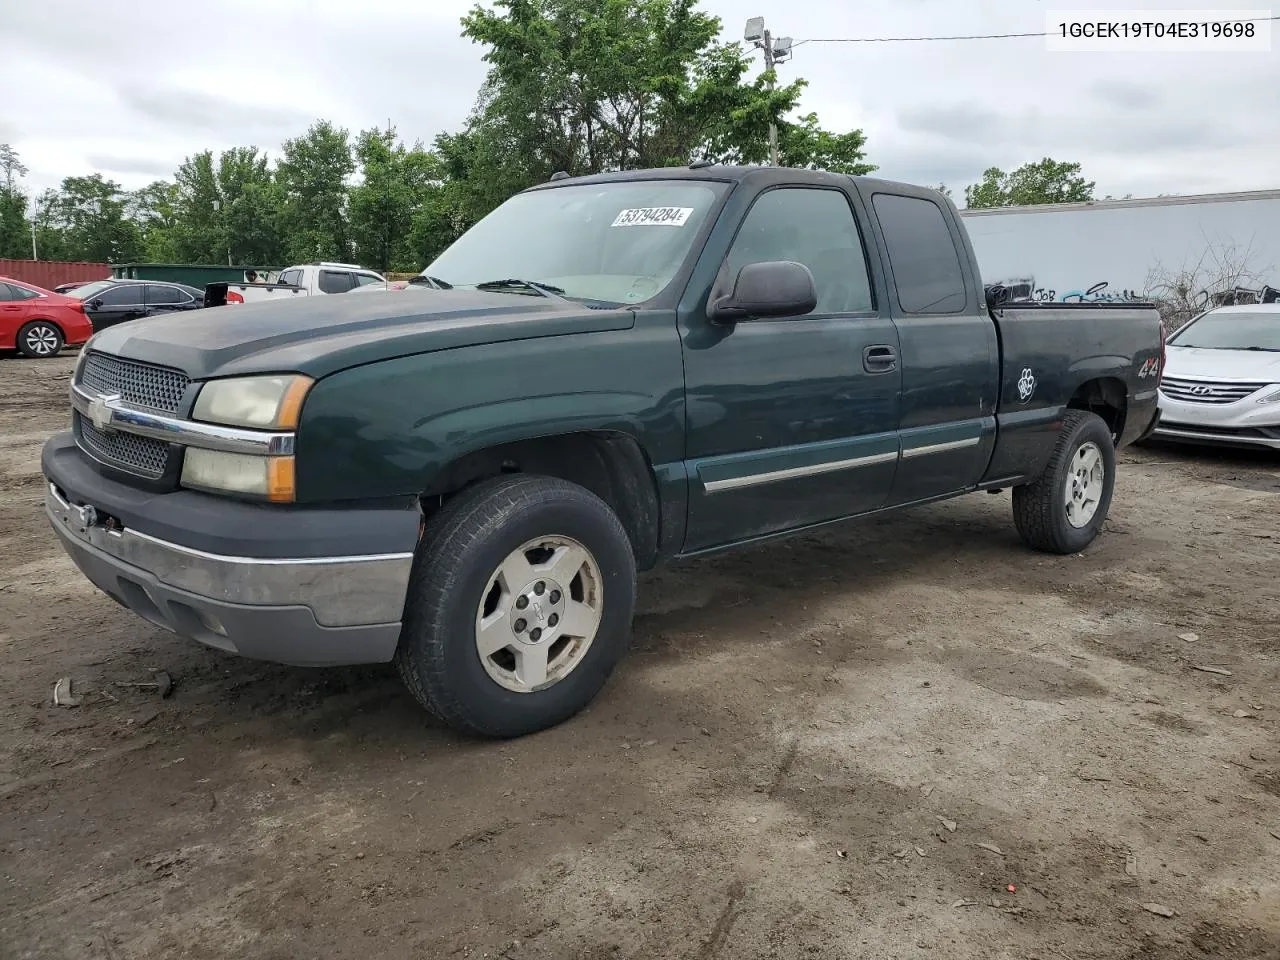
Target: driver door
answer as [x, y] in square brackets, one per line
[792, 421]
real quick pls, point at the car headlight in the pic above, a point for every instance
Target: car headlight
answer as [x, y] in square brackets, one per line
[264, 403]
[267, 403]
[267, 478]
[1273, 397]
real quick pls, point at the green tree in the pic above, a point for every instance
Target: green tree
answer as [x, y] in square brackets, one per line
[252, 204]
[198, 233]
[15, 237]
[90, 214]
[396, 182]
[313, 176]
[591, 85]
[1046, 181]
[154, 209]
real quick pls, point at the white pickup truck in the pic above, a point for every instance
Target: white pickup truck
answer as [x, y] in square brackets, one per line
[311, 279]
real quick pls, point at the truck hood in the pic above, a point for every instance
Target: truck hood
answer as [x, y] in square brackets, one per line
[1198, 363]
[323, 334]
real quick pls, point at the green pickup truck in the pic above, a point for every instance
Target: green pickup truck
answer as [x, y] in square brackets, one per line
[464, 477]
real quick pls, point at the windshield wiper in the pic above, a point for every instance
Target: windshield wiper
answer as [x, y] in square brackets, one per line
[1268, 349]
[545, 289]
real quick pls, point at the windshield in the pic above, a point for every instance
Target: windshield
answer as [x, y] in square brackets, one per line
[1224, 330]
[620, 243]
[89, 289]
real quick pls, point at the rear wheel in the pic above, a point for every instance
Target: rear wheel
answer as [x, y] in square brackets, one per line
[1063, 511]
[519, 606]
[39, 340]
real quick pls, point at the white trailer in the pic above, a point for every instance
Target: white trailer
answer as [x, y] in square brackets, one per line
[1227, 245]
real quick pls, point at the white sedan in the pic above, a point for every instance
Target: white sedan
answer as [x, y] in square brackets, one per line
[1221, 382]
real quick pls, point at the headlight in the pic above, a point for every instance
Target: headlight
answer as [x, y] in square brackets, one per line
[264, 402]
[269, 478]
[1272, 397]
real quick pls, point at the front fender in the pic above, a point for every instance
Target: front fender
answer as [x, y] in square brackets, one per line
[389, 428]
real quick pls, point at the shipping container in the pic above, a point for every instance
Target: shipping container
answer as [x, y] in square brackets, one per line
[1225, 245]
[50, 273]
[192, 274]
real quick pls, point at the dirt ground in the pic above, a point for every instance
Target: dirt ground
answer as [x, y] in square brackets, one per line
[904, 738]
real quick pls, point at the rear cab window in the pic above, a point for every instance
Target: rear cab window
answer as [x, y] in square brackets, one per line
[335, 281]
[926, 266]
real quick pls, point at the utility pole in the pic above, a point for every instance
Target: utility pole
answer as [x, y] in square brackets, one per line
[35, 213]
[775, 52]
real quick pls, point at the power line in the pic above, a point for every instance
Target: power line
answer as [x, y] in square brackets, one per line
[971, 36]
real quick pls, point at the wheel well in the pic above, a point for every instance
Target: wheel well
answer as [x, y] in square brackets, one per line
[53, 323]
[1105, 396]
[611, 465]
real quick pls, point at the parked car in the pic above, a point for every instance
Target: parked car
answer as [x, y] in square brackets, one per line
[38, 323]
[304, 280]
[65, 287]
[109, 302]
[465, 478]
[1222, 382]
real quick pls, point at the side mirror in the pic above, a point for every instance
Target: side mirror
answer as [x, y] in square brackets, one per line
[778, 288]
[96, 303]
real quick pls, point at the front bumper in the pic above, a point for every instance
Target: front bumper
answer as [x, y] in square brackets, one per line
[1245, 423]
[319, 606]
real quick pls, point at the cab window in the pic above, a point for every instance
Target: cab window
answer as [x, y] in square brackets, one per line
[814, 226]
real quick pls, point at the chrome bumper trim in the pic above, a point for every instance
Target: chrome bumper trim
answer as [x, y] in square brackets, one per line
[1177, 433]
[109, 413]
[339, 591]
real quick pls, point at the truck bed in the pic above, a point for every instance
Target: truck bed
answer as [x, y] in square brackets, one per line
[1047, 348]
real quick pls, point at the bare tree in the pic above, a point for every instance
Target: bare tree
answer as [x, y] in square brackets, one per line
[1223, 274]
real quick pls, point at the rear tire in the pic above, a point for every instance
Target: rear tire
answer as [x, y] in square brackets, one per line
[40, 340]
[519, 606]
[1064, 509]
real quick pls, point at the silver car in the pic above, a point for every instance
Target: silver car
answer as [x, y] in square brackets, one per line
[1221, 382]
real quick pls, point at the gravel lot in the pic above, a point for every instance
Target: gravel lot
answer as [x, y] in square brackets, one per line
[903, 738]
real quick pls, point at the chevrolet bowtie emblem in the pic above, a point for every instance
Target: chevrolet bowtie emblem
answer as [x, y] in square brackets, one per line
[100, 411]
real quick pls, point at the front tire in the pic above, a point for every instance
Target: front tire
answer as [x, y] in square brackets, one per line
[40, 340]
[1064, 509]
[519, 606]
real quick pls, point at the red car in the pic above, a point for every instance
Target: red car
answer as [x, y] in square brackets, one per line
[38, 322]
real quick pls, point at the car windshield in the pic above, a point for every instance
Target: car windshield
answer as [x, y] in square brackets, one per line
[89, 289]
[1227, 330]
[618, 243]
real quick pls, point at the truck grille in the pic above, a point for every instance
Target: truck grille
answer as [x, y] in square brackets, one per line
[143, 456]
[1206, 391]
[138, 384]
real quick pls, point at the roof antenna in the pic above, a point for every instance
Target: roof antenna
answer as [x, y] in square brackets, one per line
[559, 175]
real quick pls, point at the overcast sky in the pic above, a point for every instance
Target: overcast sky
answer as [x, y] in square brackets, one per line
[130, 88]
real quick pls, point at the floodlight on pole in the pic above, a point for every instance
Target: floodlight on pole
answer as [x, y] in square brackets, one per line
[775, 52]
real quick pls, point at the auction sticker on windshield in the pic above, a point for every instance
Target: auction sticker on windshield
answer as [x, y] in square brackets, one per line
[653, 217]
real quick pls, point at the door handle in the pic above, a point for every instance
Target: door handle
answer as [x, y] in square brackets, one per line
[880, 358]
